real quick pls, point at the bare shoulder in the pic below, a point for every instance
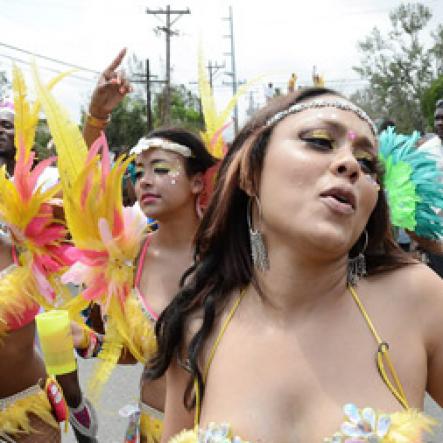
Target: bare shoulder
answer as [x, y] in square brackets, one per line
[417, 291]
[411, 283]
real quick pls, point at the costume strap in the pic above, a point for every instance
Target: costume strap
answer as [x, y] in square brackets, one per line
[383, 356]
[212, 354]
[138, 274]
[149, 313]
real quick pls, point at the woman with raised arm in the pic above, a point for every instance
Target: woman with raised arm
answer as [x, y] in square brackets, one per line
[169, 178]
[301, 320]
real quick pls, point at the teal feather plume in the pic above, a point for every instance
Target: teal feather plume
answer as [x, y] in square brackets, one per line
[413, 184]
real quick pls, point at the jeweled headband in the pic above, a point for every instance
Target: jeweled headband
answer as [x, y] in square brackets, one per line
[344, 106]
[146, 143]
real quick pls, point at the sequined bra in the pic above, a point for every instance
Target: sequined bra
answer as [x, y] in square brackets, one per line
[359, 425]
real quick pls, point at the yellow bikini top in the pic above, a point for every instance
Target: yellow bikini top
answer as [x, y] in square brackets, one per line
[359, 425]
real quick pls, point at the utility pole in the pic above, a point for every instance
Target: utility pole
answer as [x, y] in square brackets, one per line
[148, 96]
[168, 32]
[252, 108]
[212, 71]
[233, 72]
[148, 78]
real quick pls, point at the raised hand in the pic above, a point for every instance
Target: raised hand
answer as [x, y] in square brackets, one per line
[112, 86]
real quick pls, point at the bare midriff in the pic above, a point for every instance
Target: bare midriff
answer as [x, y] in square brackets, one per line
[21, 365]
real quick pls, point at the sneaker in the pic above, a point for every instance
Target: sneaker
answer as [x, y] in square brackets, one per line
[84, 422]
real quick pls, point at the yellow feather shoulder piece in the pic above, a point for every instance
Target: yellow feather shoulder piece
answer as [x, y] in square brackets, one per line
[185, 436]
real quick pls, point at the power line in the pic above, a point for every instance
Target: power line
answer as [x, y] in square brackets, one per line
[19, 60]
[81, 68]
[167, 29]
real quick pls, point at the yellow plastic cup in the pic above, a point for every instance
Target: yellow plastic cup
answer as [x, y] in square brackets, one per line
[54, 330]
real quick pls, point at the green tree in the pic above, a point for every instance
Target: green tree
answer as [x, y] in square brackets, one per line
[42, 143]
[399, 68]
[430, 96]
[185, 109]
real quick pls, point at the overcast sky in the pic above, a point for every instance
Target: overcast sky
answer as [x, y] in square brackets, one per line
[271, 37]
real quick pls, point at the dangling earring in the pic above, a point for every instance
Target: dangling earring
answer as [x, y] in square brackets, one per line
[198, 207]
[258, 247]
[357, 265]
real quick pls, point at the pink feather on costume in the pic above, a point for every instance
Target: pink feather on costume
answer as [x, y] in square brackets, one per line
[95, 147]
[36, 172]
[76, 274]
[106, 160]
[21, 173]
[43, 284]
[102, 143]
[88, 257]
[25, 179]
[86, 190]
[119, 224]
[46, 264]
[44, 232]
[96, 289]
[99, 143]
[216, 136]
[106, 234]
[62, 253]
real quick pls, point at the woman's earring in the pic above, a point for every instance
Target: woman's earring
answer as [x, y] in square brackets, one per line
[357, 265]
[198, 207]
[258, 248]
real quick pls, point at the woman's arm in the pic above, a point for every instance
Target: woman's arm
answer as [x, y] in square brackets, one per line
[432, 319]
[177, 417]
[111, 88]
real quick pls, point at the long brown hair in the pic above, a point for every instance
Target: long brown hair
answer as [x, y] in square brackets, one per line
[223, 253]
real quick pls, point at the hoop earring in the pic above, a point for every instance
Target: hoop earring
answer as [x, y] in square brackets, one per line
[357, 265]
[259, 252]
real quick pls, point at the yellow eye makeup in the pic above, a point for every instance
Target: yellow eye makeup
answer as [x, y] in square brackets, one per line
[319, 133]
[162, 168]
[319, 139]
[364, 155]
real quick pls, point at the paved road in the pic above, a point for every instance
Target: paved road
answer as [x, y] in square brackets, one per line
[123, 389]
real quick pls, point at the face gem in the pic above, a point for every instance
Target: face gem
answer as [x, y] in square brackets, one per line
[352, 135]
